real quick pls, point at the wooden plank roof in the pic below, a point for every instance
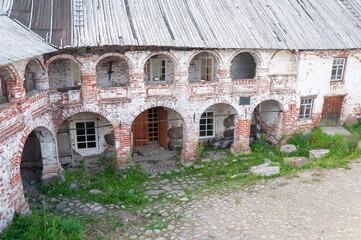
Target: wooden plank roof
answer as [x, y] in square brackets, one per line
[18, 43]
[245, 24]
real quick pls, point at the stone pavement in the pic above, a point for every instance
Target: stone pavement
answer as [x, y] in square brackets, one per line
[314, 204]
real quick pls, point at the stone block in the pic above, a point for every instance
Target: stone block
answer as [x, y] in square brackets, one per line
[175, 143]
[175, 133]
[265, 169]
[318, 153]
[351, 121]
[110, 139]
[288, 148]
[296, 161]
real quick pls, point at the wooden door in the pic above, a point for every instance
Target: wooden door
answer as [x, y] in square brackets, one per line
[163, 128]
[151, 126]
[332, 109]
[140, 130]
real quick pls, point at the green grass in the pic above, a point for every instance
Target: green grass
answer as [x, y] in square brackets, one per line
[114, 187]
[40, 225]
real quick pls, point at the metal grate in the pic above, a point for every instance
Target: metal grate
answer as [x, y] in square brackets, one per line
[78, 13]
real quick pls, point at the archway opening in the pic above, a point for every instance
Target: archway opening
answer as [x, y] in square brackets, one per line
[243, 66]
[216, 125]
[287, 67]
[157, 134]
[112, 71]
[159, 69]
[6, 80]
[266, 122]
[31, 165]
[64, 75]
[33, 77]
[203, 68]
[87, 136]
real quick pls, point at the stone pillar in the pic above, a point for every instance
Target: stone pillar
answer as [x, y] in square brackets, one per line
[51, 165]
[190, 142]
[123, 144]
[16, 184]
[289, 119]
[89, 89]
[241, 136]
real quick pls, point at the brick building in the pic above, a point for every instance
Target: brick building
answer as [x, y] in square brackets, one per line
[207, 71]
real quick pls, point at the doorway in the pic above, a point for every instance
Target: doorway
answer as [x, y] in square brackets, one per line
[151, 126]
[331, 111]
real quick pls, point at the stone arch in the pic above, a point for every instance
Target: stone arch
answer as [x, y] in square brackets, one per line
[9, 81]
[84, 133]
[105, 67]
[217, 124]
[45, 141]
[267, 119]
[255, 54]
[34, 76]
[64, 72]
[203, 65]
[212, 102]
[243, 66]
[283, 62]
[158, 125]
[170, 67]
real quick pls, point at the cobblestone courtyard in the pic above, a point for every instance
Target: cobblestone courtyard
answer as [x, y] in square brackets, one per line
[315, 204]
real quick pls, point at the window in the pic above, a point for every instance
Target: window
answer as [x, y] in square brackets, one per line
[75, 72]
[206, 125]
[158, 70]
[243, 66]
[86, 134]
[306, 108]
[206, 69]
[338, 69]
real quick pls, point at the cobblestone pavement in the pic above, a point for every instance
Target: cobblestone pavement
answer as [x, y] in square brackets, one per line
[314, 204]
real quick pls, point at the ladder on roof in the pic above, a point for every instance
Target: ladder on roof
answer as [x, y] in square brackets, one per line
[78, 8]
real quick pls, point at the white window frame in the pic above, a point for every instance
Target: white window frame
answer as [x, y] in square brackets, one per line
[337, 66]
[72, 63]
[214, 125]
[303, 114]
[86, 141]
[200, 68]
[151, 70]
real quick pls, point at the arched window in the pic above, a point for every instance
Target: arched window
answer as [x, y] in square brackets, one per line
[112, 72]
[159, 69]
[243, 66]
[203, 68]
[64, 75]
[33, 76]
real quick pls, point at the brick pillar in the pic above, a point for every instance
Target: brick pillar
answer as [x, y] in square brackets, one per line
[16, 184]
[89, 89]
[241, 136]
[289, 119]
[123, 144]
[190, 141]
[137, 84]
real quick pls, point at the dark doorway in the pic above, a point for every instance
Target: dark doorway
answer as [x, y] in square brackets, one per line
[31, 166]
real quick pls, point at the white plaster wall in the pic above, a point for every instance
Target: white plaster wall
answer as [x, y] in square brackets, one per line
[101, 132]
[224, 111]
[314, 80]
[283, 62]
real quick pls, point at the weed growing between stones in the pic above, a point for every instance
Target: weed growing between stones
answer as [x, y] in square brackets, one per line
[114, 188]
[40, 225]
